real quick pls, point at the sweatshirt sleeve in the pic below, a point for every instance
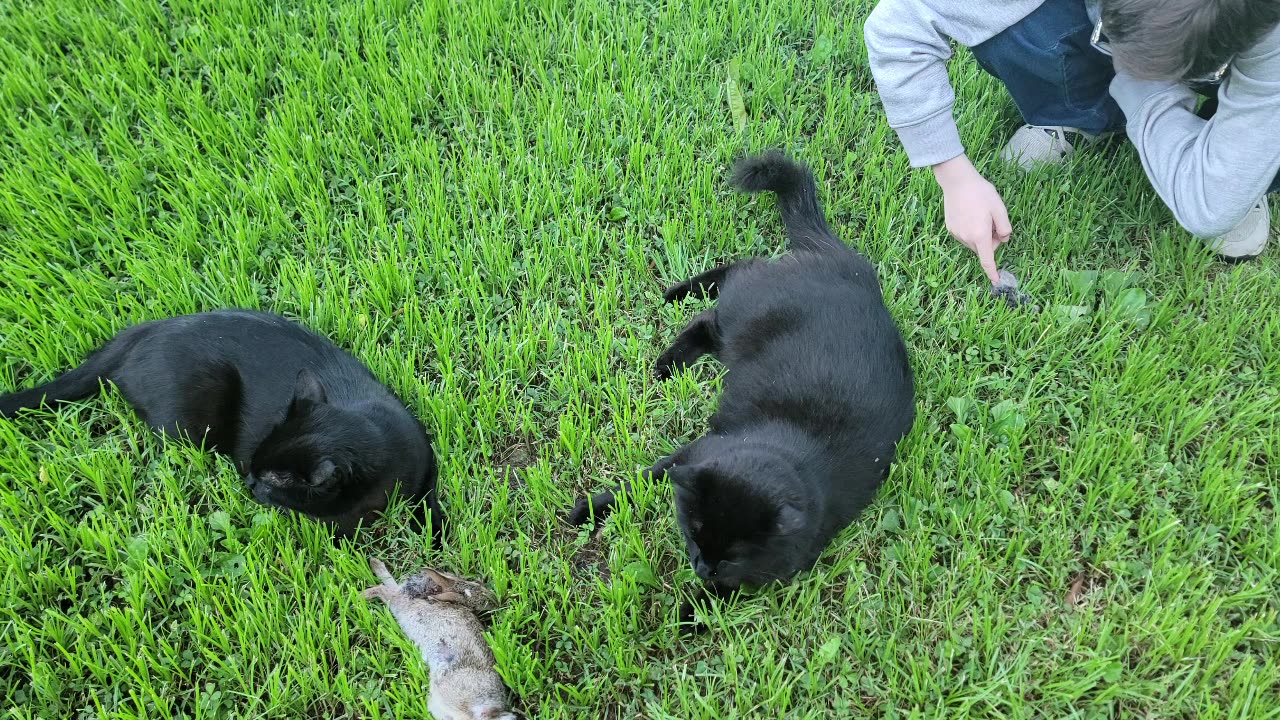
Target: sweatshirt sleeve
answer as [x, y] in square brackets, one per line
[1210, 174]
[908, 44]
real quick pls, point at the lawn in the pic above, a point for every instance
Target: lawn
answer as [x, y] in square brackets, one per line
[483, 201]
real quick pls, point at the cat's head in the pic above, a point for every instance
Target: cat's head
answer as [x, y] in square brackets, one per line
[740, 524]
[320, 460]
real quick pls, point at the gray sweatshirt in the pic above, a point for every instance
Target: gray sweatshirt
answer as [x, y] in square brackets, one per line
[1209, 173]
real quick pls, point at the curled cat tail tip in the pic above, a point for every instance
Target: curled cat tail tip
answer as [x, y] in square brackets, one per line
[772, 171]
[797, 193]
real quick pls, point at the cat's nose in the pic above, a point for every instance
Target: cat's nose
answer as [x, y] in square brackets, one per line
[704, 570]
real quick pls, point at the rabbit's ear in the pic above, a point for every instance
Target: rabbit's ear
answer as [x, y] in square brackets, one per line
[449, 596]
[445, 583]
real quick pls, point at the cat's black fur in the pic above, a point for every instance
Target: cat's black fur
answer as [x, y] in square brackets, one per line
[818, 393]
[306, 423]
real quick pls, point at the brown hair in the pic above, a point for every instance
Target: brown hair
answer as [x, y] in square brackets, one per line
[1183, 39]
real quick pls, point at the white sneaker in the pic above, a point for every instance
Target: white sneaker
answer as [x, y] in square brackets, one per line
[1247, 240]
[1034, 145]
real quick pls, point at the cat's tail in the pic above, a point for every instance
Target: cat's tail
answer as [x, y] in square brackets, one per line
[792, 182]
[78, 384]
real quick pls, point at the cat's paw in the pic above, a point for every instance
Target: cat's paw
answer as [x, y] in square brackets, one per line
[580, 513]
[662, 372]
[664, 368]
[678, 291]
[687, 620]
[583, 510]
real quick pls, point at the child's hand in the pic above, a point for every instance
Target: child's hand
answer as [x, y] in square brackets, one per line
[975, 213]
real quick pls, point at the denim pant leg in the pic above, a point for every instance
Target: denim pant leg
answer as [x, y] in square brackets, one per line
[1052, 71]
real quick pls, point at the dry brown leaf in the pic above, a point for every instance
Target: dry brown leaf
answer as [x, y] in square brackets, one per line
[1076, 592]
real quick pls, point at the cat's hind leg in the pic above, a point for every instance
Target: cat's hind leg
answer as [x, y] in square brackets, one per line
[700, 337]
[79, 383]
[704, 285]
[206, 412]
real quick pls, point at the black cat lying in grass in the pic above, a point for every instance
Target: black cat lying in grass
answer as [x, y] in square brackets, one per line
[818, 393]
[307, 424]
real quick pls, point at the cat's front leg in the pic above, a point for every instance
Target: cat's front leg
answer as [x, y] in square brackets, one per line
[687, 615]
[597, 506]
[700, 337]
[601, 504]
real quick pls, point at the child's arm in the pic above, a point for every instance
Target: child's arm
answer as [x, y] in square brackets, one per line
[908, 44]
[1210, 174]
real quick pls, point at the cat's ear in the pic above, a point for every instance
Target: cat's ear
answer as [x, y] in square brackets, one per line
[306, 389]
[323, 473]
[790, 519]
[688, 477]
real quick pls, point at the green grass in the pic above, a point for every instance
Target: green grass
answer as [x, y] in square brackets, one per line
[483, 201]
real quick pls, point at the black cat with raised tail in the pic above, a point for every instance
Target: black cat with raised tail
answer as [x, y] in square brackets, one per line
[819, 392]
[307, 424]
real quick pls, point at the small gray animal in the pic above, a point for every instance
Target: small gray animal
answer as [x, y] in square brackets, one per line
[1007, 288]
[438, 612]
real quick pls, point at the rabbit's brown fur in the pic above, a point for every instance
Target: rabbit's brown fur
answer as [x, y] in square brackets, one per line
[438, 612]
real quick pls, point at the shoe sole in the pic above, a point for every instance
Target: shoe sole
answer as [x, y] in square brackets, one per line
[1237, 259]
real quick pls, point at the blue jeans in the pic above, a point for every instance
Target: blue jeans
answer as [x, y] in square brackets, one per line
[1054, 74]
